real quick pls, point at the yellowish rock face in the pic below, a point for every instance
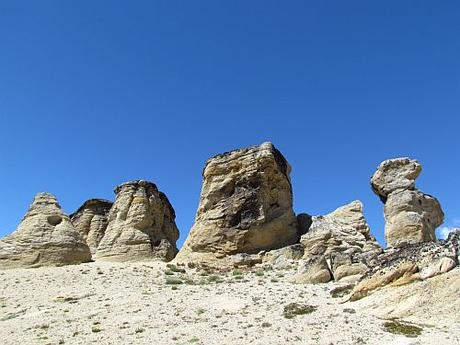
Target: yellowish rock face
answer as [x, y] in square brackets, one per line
[411, 217]
[45, 237]
[141, 225]
[245, 205]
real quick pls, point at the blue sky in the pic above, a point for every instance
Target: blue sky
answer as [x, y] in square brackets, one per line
[95, 93]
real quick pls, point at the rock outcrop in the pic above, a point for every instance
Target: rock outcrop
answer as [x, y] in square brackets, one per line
[432, 301]
[245, 206]
[342, 239]
[410, 215]
[141, 225]
[416, 261]
[91, 221]
[45, 237]
[395, 174]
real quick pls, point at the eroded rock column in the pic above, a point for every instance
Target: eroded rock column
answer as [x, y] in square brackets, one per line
[245, 206]
[141, 225]
[411, 216]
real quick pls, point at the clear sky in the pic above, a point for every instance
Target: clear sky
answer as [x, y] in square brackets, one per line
[95, 93]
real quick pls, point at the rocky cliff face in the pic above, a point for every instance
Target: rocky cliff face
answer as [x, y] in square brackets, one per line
[413, 262]
[141, 225]
[337, 246]
[245, 206]
[45, 236]
[91, 221]
[410, 215]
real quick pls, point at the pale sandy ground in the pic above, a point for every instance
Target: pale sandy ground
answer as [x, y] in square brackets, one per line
[115, 303]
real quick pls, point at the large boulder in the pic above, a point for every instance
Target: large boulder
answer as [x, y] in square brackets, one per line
[245, 206]
[91, 221]
[410, 215]
[314, 270]
[343, 240]
[141, 225]
[395, 174]
[45, 237]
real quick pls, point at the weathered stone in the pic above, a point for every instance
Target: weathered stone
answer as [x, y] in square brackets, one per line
[243, 259]
[284, 257]
[355, 269]
[245, 206]
[411, 216]
[91, 221]
[413, 262]
[312, 271]
[304, 222]
[395, 174]
[141, 225]
[45, 237]
[343, 238]
[344, 230]
[454, 241]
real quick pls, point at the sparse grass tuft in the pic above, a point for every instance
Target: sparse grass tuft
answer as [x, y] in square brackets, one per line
[200, 311]
[215, 279]
[401, 328]
[341, 291]
[293, 309]
[173, 281]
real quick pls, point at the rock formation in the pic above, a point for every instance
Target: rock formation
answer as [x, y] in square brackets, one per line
[245, 206]
[410, 215]
[44, 237]
[340, 242]
[91, 220]
[141, 225]
[416, 261]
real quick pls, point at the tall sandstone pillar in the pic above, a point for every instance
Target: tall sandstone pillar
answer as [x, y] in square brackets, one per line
[245, 206]
[141, 225]
[411, 216]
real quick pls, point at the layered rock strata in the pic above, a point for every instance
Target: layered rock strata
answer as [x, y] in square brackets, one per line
[245, 206]
[411, 216]
[340, 243]
[45, 237]
[416, 261]
[91, 221]
[141, 225]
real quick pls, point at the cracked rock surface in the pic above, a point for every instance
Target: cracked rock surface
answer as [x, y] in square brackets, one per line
[141, 225]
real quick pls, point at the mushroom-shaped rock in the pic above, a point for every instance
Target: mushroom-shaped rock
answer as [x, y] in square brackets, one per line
[394, 174]
[45, 237]
[91, 221]
[141, 225]
[245, 206]
[410, 215]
